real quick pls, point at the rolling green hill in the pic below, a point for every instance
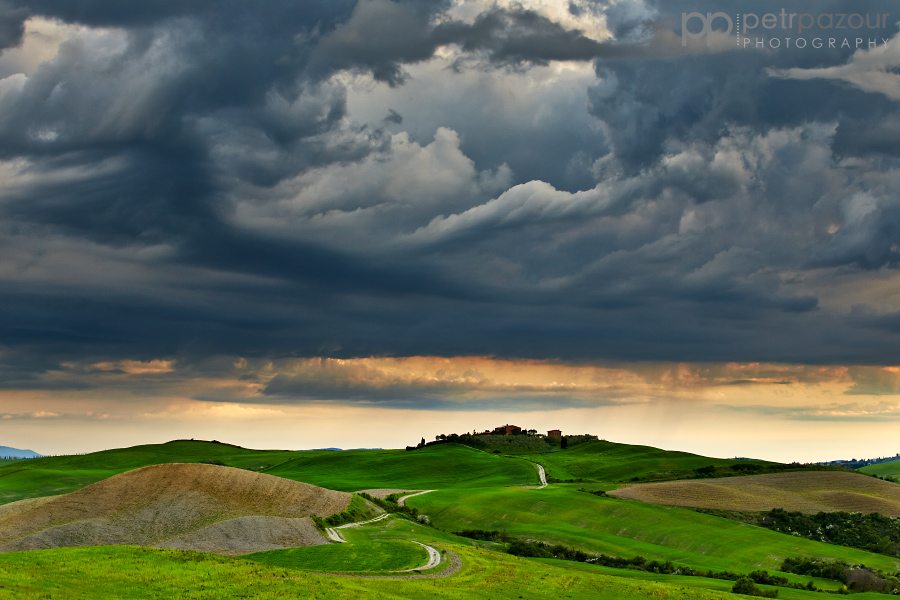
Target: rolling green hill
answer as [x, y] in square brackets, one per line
[449, 465]
[53, 475]
[126, 572]
[562, 514]
[609, 462]
[441, 466]
[183, 451]
[383, 546]
[475, 490]
[888, 469]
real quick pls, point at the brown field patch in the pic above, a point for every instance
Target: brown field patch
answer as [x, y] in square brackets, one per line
[190, 506]
[807, 492]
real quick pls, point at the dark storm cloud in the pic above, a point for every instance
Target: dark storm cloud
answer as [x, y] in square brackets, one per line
[382, 35]
[513, 37]
[647, 103]
[379, 36]
[192, 182]
[279, 17]
[12, 25]
[394, 117]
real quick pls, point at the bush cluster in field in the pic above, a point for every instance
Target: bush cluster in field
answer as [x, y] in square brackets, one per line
[745, 586]
[391, 505]
[873, 532]
[484, 535]
[856, 578]
[533, 549]
[355, 512]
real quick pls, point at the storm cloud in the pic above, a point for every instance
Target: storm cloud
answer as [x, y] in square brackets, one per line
[185, 180]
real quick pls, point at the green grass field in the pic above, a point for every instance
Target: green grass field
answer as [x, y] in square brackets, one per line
[379, 547]
[127, 572]
[448, 465]
[608, 462]
[562, 514]
[697, 583]
[883, 469]
[443, 466]
[53, 475]
[347, 558]
[476, 490]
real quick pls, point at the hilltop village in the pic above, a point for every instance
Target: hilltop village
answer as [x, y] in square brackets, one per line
[507, 437]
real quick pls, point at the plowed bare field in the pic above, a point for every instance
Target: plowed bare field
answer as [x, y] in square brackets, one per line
[190, 506]
[809, 492]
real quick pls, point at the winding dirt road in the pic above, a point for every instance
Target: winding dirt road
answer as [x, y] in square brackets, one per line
[434, 559]
[334, 535]
[453, 569]
[542, 475]
[402, 500]
[434, 556]
[375, 520]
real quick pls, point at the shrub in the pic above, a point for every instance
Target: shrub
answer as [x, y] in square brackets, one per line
[836, 570]
[532, 549]
[765, 578]
[865, 580]
[484, 535]
[390, 504]
[872, 532]
[745, 586]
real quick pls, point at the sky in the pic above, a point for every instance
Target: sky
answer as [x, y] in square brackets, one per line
[357, 223]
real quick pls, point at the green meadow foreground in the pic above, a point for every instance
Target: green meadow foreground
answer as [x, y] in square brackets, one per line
[130, 572]
[255, 525]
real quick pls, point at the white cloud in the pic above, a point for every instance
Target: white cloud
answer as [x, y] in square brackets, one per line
[40, 44]
[531, 202]
[871, 70]
[408, 183]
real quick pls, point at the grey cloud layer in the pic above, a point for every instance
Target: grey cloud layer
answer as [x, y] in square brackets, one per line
[188, 179]
[12, 25]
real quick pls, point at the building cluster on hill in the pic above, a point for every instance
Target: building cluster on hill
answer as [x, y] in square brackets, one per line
[480, 439]
[516, 430]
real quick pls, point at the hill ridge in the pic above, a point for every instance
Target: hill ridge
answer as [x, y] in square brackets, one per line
[157, 504]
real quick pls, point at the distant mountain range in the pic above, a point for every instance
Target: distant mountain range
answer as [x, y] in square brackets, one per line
[7, 452]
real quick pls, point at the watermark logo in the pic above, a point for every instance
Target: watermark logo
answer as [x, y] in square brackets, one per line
[784, 29]
[707, 29]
